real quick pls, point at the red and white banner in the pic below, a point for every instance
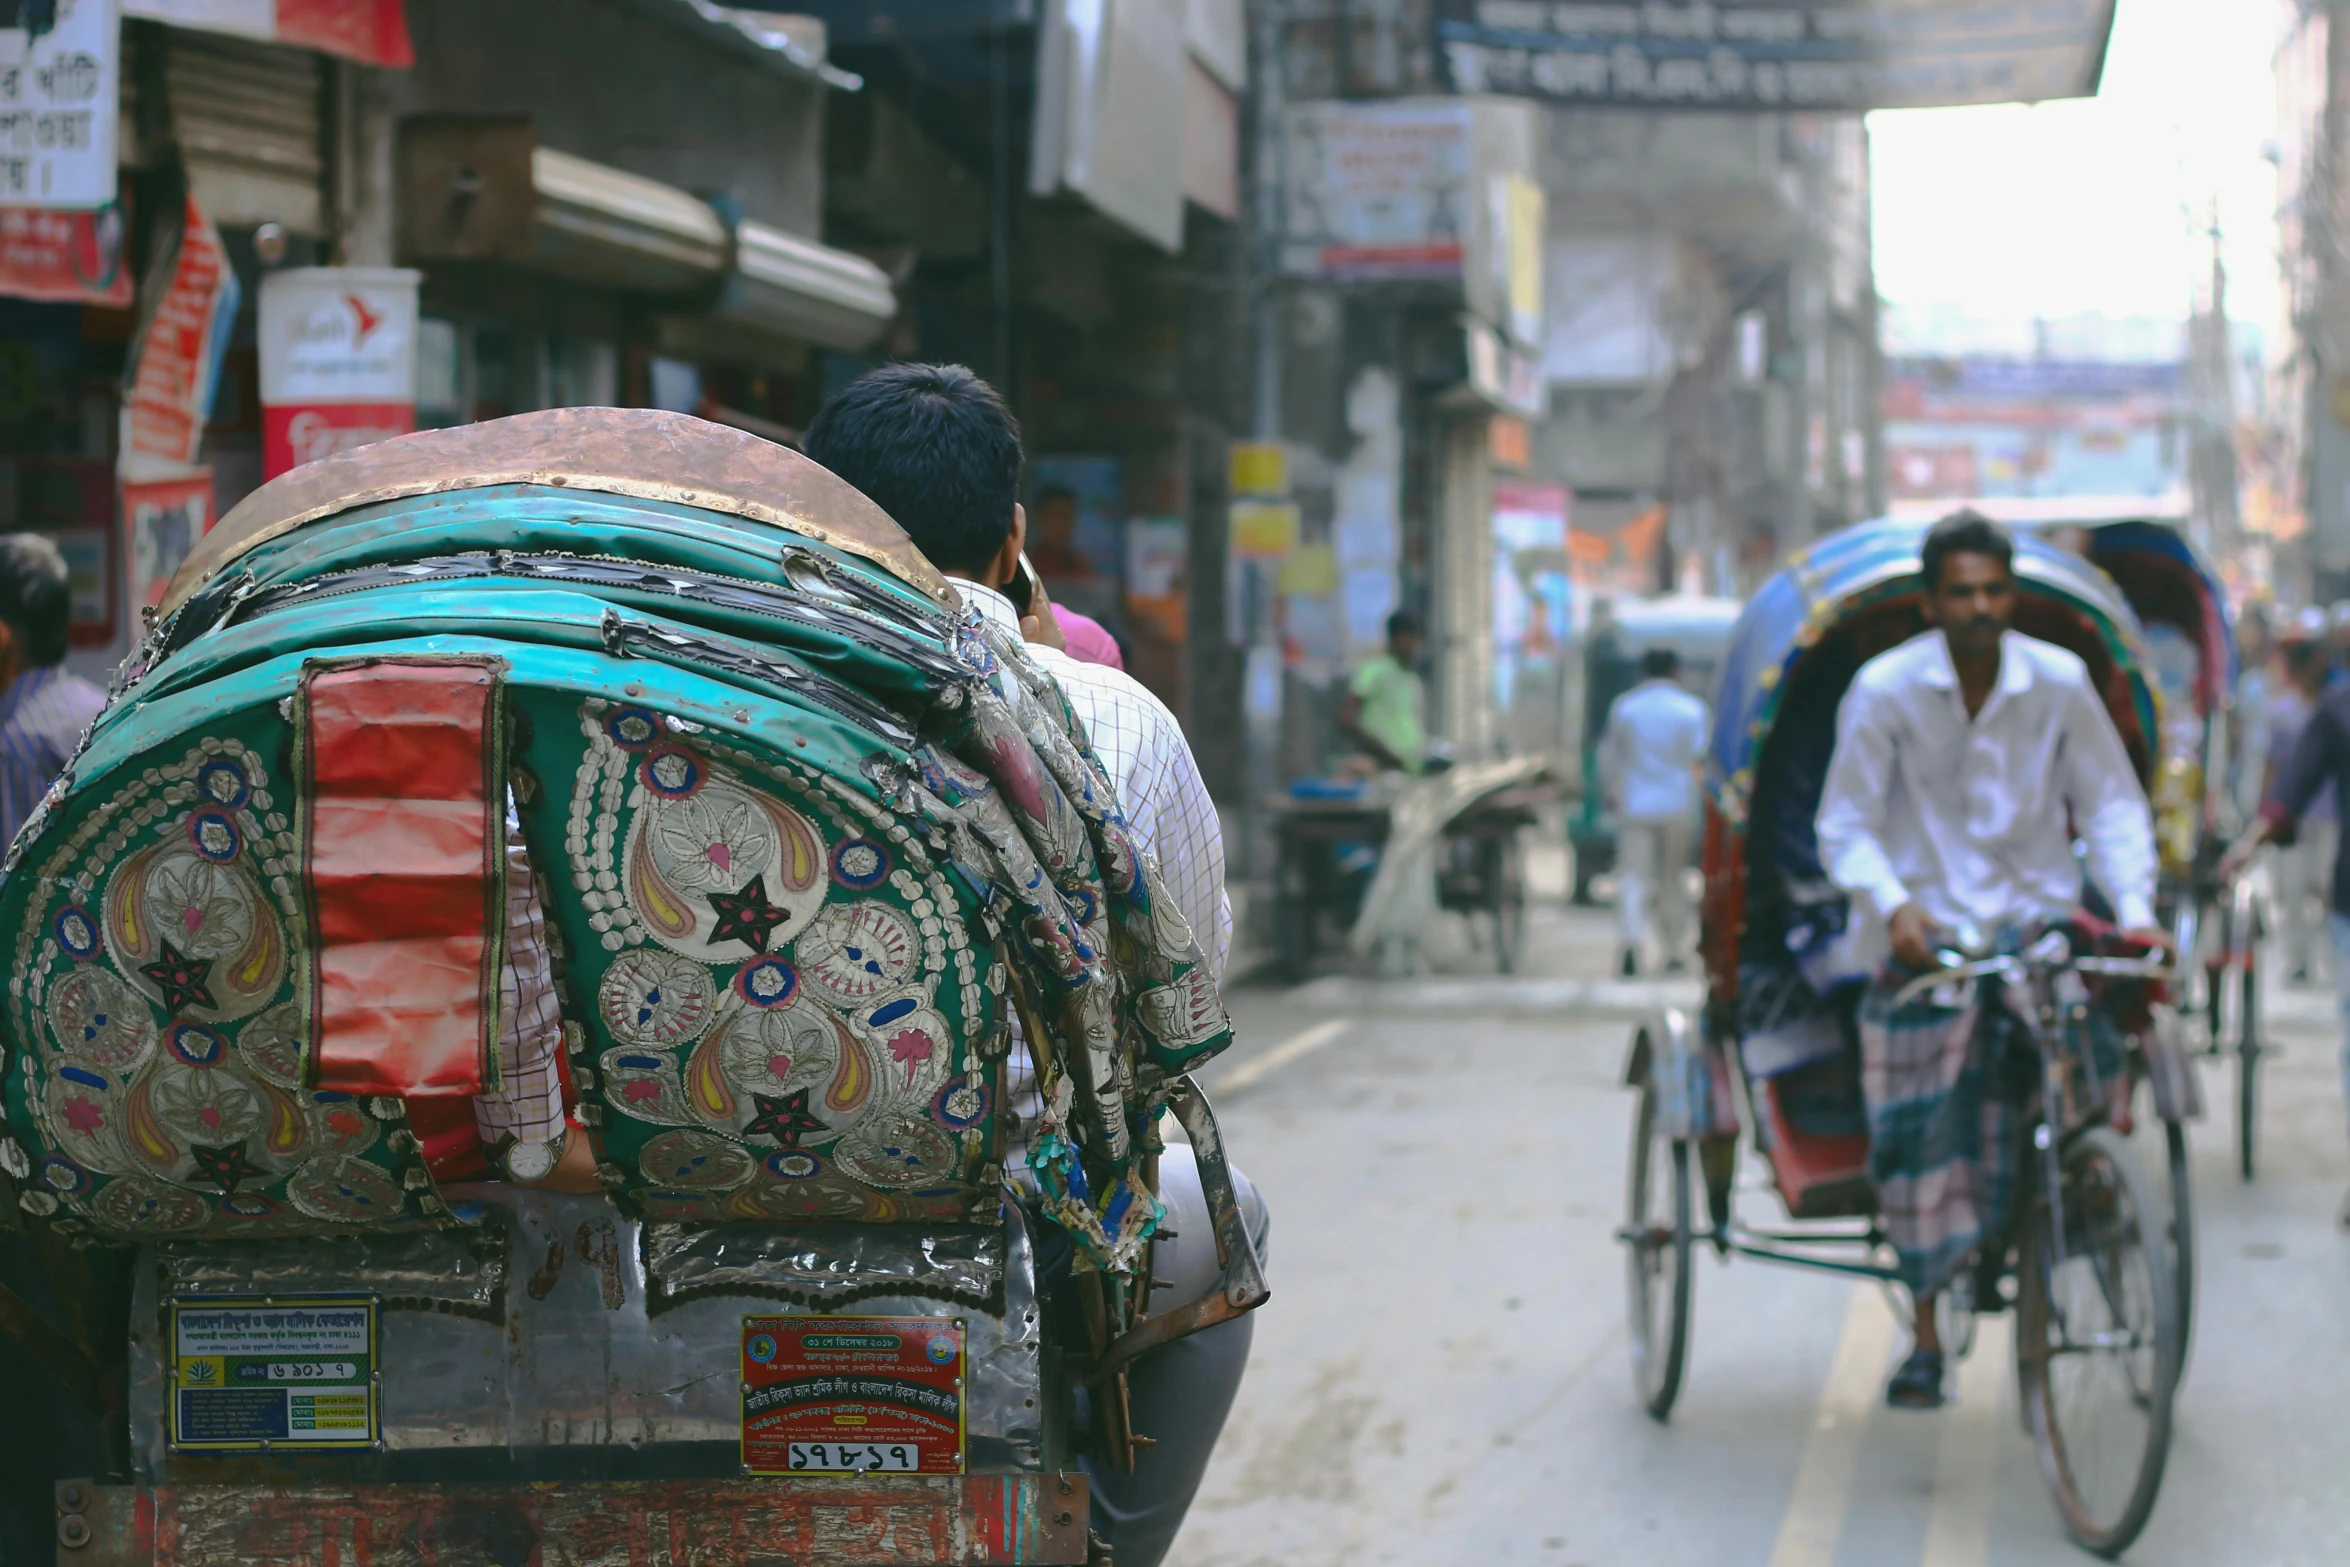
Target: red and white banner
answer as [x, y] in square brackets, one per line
[162, 520]
[181, 339]
[373, 32]
[338, 361]
[72, 258]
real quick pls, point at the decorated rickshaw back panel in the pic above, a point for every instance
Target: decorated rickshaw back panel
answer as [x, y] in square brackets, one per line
[776, 995]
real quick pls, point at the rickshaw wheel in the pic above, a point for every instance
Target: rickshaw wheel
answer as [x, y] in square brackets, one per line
[1509, 906]
[2248, 1053]
[2097, 1344]
[1657, 1253]
[2182, 1233]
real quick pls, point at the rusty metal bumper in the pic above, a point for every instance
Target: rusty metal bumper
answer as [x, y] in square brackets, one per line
[970, 1520]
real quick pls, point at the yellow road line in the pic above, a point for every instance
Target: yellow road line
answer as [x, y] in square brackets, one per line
[1831, 1452]
[1303, 1043]
[1958, 1530]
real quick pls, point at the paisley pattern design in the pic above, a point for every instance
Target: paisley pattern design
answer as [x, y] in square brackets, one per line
[159, 1017]
[795, 1078]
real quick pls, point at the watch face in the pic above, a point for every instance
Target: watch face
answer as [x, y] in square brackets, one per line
[530, 1161]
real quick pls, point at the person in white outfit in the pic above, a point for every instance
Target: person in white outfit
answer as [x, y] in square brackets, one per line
[1648, 768]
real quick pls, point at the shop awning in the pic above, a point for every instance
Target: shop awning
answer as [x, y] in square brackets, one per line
[797, 288]
[604, 225]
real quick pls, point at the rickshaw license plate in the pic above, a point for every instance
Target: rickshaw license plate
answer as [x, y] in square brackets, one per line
[852, 1395]
[277, 1373]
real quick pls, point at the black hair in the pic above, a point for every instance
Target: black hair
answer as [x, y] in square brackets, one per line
[1660, 663]
[936, 448]
[1403, 623]
[1966, 532]
[35, 600]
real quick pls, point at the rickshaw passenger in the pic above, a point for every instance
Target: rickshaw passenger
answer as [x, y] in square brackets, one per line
[936, 448]
[1961, 757]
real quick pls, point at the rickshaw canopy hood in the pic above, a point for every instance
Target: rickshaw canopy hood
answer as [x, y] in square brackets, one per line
[1849, 572]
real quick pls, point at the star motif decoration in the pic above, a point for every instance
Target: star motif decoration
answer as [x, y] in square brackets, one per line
[225, 1167]
[186, 981]
[785, 1119]
[746, 916]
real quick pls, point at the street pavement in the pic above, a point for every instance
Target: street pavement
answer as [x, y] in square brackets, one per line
[1441, 1374]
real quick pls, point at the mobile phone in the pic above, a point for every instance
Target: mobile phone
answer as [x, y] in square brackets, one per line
[1022, 589]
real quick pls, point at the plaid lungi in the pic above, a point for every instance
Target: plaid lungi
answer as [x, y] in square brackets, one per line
[1948, 1090]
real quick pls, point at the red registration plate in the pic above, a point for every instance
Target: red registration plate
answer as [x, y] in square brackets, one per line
[852, 1395]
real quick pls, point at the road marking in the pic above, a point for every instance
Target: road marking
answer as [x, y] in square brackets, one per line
[1303, 1043]
[1958, 1530]
[1831, 1452]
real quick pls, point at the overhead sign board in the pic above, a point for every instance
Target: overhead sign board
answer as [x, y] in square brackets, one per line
[58, 104]
[1820, 55]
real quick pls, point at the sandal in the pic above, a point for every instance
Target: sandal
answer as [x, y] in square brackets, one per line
[1918, 1384]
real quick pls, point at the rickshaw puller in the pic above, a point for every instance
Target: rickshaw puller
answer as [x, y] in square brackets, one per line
[1965, 759]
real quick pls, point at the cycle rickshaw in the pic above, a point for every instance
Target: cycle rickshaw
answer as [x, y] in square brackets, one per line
[1773, 1053]
[2182, 607]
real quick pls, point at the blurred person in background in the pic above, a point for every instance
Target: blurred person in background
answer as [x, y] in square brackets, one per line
[43, 709]
[2304, 671]
[1384, 711]
[1648, 768]
[2256, 654]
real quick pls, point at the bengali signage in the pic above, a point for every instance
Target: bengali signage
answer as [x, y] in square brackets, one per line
[163, 517]
[59, 89]
[72, 258]
[181, 339]
[275, 1374]
[852, 1395]
[1822, 55]
[338, 361]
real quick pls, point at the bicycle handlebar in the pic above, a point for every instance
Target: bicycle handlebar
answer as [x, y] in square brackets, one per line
[2151, 966]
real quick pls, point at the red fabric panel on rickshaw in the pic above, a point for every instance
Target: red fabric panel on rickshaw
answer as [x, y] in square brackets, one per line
[404, 837]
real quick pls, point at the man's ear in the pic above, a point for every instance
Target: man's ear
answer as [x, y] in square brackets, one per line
[1005, 568]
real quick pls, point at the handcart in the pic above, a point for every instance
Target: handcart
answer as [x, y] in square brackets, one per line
[1773, 1056]
[1328, 840]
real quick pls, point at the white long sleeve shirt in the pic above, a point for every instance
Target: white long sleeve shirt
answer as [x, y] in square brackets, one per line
[1973, 819]
[1648, 756]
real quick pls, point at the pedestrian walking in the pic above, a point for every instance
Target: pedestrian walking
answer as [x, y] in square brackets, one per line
[1648, 768]
[2306, 674]
[43, 708]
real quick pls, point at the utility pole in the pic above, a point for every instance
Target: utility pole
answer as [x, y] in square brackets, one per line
[2211, 453]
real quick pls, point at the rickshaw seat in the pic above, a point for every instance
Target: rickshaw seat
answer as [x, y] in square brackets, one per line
[1810, 1125]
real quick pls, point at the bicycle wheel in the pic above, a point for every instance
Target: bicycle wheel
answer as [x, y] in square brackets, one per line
[2247, 1070]
[1657, 1249]
[2097, 1343]
[2182, 1234]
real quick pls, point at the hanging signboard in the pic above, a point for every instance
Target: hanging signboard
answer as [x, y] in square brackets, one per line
[1377, 190]
[1821, 55]
[372, 32]
[58, 104]
[72, 258]
[338, 361]
[184, 332]
[162, 519]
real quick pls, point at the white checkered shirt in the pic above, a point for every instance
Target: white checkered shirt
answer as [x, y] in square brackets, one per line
[1151, 767]
[528, 1106]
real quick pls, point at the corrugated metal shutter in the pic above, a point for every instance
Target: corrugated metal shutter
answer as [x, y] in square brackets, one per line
[247, 120]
